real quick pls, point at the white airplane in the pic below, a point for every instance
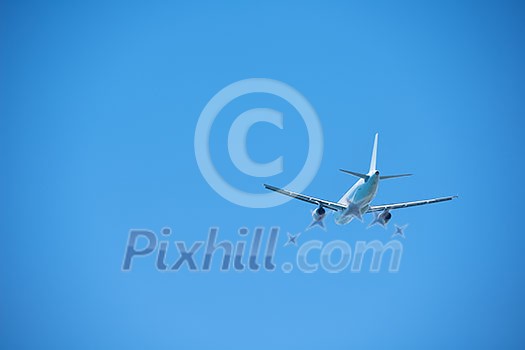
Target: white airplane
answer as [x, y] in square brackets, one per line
[356, 201]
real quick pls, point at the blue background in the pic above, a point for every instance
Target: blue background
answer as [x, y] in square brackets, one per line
[99, 103]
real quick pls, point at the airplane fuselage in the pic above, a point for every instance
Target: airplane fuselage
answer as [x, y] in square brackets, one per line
[358, 198]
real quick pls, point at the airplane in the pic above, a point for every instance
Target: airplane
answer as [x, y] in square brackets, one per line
[356, 201]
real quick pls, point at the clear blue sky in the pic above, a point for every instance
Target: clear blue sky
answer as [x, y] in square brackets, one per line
[98, 107]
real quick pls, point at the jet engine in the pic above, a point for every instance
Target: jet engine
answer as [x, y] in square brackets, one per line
[381, 218]
[319, 213]
[384, 217]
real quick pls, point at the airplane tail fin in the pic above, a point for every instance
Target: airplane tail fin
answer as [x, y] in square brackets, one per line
[372, 163]
[374, 156]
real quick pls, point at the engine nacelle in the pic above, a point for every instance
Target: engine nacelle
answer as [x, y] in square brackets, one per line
[385, 217]
[319, 213]
[381, 218]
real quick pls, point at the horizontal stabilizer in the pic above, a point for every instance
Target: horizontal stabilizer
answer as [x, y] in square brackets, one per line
[362, 176]
[392, 176]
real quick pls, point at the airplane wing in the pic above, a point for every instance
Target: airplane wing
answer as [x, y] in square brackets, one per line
[408, 204]
[303, 197]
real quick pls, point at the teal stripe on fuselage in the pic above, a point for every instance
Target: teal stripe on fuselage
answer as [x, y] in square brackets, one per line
[364, 193]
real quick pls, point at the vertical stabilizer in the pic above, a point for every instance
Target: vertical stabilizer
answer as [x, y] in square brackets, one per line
[374, 156]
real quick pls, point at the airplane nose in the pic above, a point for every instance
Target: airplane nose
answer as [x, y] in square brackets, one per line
[377, 172]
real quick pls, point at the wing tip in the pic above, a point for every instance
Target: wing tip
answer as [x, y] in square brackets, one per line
[272, 188]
